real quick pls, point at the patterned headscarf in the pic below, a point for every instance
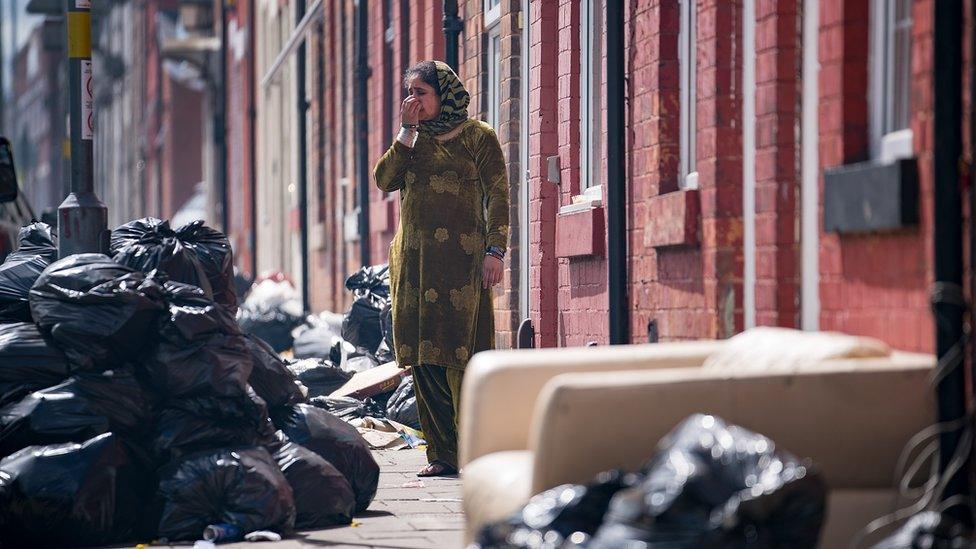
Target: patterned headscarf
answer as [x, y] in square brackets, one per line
[454, 102]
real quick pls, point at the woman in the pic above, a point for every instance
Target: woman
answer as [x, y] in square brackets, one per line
[449, 249]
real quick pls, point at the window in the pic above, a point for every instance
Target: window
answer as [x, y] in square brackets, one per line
[493, 11]
[591, 96]
[494, 87]
[687, 65]
[891, 63]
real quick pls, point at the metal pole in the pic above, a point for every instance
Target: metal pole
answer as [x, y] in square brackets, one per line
[3, 70]
[948, 303]
[220, 123]
[362, 127]
[452, 28]
[82, 218]
[302, 104]
[616, 178]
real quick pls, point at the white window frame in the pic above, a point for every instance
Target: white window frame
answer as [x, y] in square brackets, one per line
[688, 66]
[494, 70]
[591, 98]
[493, 12]
[890, 139]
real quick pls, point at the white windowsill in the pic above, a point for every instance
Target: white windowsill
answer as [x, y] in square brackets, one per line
[591, 198]
[896, 146]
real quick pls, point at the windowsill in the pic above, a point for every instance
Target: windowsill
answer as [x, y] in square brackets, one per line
[580, 232]
[896, 146]
[672, 219]
[591, 198]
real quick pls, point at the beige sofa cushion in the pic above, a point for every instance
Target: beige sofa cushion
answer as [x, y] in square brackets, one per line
[495, 486]
[767, 349]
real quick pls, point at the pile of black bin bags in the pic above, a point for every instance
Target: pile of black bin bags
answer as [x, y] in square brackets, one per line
[133, 408]
[709, 485]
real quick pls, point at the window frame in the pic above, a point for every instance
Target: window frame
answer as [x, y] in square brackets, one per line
[494, 75]
[493, 12]
[688, 95]
[890, 140]
[592, 19]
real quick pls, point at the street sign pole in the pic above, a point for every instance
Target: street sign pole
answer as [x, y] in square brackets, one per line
[82, 218]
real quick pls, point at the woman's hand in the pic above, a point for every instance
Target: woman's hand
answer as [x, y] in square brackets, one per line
[492, 271]
[410, 110]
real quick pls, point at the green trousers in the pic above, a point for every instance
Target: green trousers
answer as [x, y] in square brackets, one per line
[438, 404]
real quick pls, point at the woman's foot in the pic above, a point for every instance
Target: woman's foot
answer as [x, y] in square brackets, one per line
[437, 469]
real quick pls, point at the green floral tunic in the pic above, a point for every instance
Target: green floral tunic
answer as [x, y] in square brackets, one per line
[441, 314]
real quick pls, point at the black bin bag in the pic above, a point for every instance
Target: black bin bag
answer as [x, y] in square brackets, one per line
[320, 376]
[199, 350]
[72, 494]
[270, 377]
[239, 486]
[21, 268]
[564, 516]
[712, 485]
[84, 406]
[188, 425]
[323, 496]
[29, 361]
[363, 324]
[402, 406]
[929, 530]
[150, 243]
[337, 442]
[194, 254]
[99, 312]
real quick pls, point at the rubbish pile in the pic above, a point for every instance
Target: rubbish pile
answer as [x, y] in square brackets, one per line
[709, 485]
[133, 406]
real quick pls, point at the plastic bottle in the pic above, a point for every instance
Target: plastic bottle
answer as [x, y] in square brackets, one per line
[222, 532]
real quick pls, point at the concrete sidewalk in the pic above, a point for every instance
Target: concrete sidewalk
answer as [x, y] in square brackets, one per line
[408, 512]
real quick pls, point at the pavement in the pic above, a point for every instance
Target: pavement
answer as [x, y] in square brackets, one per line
[408, 512]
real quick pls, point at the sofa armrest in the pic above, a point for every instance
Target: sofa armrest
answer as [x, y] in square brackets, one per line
[500, 387]
[853, 422]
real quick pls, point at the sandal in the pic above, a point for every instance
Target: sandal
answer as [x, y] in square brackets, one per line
[438, 468]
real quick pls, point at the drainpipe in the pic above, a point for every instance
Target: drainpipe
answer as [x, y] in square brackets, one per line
[616, 178]
[220, 123]
[948, 304]
[302, 104]
[252, 136]
[452, 28]
[362, 127]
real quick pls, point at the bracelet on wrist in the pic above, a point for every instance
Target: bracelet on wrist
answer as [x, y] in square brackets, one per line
[410, 126]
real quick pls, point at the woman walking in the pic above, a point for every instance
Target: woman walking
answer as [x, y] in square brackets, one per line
[449, 248]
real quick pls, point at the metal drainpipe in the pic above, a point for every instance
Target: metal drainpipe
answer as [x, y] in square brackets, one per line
[252, 117]
[362, 126]
[303, 163]
[947, 298]
[616, 178]
[220, 123]
[452, 28]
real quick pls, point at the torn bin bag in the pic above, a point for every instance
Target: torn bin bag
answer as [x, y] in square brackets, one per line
[337, 442]
[323, 496]
[99, 312]
[242, 487]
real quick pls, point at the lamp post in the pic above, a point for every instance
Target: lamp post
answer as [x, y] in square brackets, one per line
[82, 217]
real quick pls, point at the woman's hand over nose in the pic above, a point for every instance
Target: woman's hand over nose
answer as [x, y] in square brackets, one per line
[410, 110]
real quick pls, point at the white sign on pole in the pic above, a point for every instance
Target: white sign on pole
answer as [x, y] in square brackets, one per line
[87, 122]
[83, 4]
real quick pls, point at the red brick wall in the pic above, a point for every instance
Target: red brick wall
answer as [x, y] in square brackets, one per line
[874, 285]
[776, 163]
